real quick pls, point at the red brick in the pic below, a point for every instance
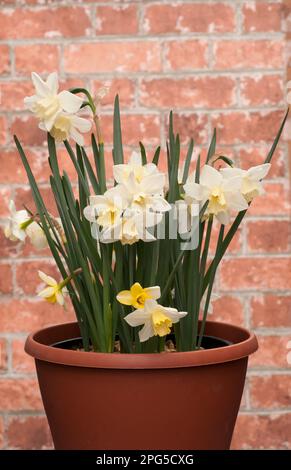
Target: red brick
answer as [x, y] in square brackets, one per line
[26, 129]
[114, 57]
[24, 316]
[248, 54]
[275, 201]
[12, 170]
[27, 278]
[228, 309]
[23, 197]
[262, 432]
[3, 359]
[29, 433]
[272, 351]
[19, 394]
[44, 58]
[262, 90]
[3, 130]
[5, 196]
[268, 236]
[189, 125]
[252, 156]
[270, 391]
[262, 17]
[271, 311]
[5, 279]
[235, 245]
[8, 248]
[120, 19]
[13, 93]
[124, 87]
[186, 55]
[134, 128]
[256, 273]
[206, 92]
[5, 60]
[246, 127]
[21, 361]
[189, 18]
[44, 23]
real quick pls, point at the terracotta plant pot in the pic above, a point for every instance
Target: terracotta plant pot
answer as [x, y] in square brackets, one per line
[177, 400]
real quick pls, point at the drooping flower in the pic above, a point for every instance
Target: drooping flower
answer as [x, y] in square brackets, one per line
[17, 223]
[223, 194]
[156, 319]
[251, 179]
[137, 295]
[68, 126]
[54, 292]
[37, 236]
[47, 103]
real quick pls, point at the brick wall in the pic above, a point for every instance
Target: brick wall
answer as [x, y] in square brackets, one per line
[218, 64]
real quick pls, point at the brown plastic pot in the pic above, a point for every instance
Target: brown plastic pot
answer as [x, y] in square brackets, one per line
[180, 400]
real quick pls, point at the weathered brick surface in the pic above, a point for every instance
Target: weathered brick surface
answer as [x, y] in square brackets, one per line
[217, 63]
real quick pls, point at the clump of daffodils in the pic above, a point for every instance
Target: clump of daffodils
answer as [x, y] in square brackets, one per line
[134, 205]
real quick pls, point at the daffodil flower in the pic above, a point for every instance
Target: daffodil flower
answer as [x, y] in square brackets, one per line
[137, 295]
[223, 194]
[55, 291]
[107, 209]
[156, 319]
[17, 223]
[37, 236]
[68, 126]
[251, 179]
[121, 172]
[47, 104]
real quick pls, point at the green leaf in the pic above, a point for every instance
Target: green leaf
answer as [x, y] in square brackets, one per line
[91, 174]
[277, 138]
[188, 161]
[143, 153]
[226, 160]
[156, 156]
[212, 147]
[117, 138]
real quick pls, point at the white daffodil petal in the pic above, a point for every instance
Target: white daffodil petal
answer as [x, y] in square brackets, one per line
[136, 318]
[210, 177]
[173, 314]
[60, 298]
[146, 332]
[83, 125]
[47, 292]
[153, 292]
[258, 172]
[50, 281]
[52, 82]
[40, 86]
[69, 102]
[77, 137]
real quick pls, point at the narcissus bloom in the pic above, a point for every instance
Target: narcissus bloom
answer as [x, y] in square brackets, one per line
[137, 295]
[47, 103]
[121, 172]
[223, 194]
[54, 292]
[156, 319]
[251, 179]
[17, 223]
[68, 126]
[37, 236]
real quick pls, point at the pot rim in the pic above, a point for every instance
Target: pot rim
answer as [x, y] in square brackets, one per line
[38, 346]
